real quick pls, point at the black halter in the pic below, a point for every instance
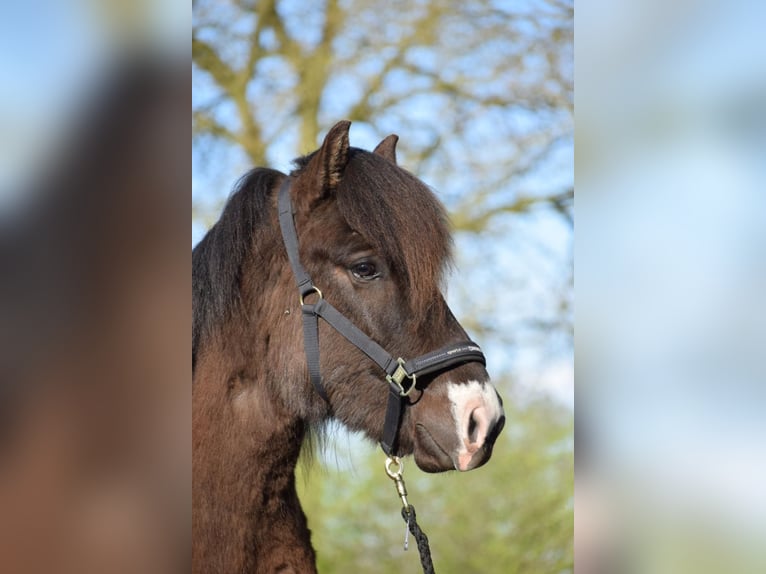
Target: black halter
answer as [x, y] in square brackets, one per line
[400, 374]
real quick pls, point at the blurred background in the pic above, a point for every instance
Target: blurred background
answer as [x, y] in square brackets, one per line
[95, 410]
[481, 95]
[671, 273]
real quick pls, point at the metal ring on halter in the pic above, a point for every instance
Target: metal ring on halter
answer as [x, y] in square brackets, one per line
[311, 290]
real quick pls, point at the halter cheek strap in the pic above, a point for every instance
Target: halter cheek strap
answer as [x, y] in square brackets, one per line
[401, 375]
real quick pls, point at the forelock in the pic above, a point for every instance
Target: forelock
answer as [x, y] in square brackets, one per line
[401, 218]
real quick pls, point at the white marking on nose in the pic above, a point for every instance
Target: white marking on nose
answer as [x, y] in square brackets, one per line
[475, 409]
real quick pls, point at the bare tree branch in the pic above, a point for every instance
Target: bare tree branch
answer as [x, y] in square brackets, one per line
[207, 59]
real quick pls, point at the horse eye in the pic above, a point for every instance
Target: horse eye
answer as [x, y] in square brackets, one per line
[365, 270]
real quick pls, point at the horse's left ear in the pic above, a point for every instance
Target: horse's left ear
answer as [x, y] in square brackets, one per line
[387, 148]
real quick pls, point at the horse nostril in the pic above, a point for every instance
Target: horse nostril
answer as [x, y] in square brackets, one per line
[476, 430]
[473, 426]
[479, 418]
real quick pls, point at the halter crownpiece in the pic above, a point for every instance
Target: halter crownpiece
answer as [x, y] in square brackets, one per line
[401, 375]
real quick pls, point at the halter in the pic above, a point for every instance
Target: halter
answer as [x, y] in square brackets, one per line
[401, 374]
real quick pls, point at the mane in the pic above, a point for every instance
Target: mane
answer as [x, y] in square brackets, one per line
[401, 218]
[218, 258]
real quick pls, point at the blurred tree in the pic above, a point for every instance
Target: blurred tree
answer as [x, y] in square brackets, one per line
[272, 71]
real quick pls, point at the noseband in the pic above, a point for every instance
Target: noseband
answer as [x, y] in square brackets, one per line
[401, 374]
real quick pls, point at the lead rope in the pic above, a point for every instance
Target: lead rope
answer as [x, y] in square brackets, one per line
[394, 468]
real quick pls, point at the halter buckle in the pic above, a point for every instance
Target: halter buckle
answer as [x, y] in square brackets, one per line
[399, 375]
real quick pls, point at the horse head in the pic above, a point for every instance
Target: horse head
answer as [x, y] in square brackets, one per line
[376, 242]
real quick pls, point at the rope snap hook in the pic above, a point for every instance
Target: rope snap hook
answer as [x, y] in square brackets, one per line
[394, 469]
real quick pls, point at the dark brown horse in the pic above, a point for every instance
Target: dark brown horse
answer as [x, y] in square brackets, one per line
[375, 240]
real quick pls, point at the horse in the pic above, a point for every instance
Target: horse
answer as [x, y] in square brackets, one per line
[375, 242]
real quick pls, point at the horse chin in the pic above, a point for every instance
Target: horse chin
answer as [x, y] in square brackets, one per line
[429, 455]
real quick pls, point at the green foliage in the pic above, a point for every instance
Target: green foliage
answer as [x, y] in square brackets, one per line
[514, 515]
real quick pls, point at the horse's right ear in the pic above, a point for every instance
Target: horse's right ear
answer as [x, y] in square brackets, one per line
[331, 159]
[387, 148]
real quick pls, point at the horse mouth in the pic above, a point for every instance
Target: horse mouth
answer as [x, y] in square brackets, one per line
[429, 455]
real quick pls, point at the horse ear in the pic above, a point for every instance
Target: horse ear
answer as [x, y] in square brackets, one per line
[387, 148]
[325, 170]
[333, 156]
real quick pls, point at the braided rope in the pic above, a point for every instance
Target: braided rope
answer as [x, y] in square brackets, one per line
[408, 514]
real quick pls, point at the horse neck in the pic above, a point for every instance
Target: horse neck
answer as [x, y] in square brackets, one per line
[246, 513]
[251, 403]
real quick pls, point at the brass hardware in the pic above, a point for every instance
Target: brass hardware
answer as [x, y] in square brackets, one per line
[396, 476]
[315, 290]
[399, 375]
